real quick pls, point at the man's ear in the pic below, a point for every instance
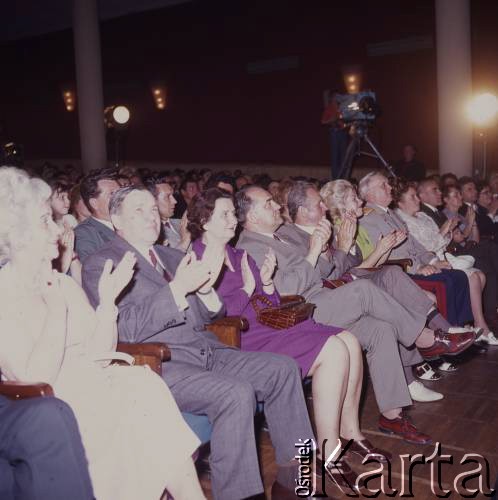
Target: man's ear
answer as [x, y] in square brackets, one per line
[93, 204]
[252, 217]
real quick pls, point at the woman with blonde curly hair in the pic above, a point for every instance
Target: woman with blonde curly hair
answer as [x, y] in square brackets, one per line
[50, 333]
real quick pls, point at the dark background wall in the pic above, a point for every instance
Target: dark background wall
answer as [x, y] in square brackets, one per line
[218, 111]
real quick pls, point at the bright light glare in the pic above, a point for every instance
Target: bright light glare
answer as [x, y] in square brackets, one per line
[482, 109]
[121, 114]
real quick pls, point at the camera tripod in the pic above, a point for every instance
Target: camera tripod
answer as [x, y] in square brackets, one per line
[359, 132]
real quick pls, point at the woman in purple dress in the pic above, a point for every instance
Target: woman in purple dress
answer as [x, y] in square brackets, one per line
[331, 356]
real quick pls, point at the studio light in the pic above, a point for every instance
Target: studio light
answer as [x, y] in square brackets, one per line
[482, 109]
[117, 117]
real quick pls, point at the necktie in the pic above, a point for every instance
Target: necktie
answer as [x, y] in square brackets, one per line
[167, 224]
[158, 267]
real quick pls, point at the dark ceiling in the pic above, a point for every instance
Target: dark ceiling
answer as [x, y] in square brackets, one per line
[27, 18]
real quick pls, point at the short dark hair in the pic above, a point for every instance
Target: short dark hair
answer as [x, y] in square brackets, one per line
[89, 186]
[297, 197]
[401, 187]
[58, 185]
[465, 180]
[215, 179]
[153, 181]
[447, 189]
[201, 208]
[243, 202]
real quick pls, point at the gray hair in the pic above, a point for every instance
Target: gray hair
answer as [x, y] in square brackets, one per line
[333, 194]
[19, 195]
[119, 196]
[365, 182]
[298, 197]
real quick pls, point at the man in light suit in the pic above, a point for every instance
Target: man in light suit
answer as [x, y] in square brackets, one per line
[173, 231]
[307, 210]
[375, 189]
[96, 190]
[373, 316]
[170, 299]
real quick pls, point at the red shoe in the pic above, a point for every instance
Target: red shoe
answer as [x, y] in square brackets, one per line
[448, 344]
[402, 426]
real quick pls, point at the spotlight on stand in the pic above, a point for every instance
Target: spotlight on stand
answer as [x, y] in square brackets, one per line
[116, 119]
[482, 111]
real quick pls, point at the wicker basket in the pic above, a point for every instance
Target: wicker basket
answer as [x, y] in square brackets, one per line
[282, 316]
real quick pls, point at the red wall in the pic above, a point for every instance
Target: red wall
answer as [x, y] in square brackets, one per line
[217, 112]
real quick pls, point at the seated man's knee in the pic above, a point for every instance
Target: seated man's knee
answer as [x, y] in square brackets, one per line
[240, 396]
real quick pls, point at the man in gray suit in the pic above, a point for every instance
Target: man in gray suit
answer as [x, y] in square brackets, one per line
[173, 231]
[377, 320]
[96, 190]
[307, 211]
[170, 299]
[380, 220]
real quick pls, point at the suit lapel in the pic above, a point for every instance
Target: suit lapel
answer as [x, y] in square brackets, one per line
[142, 265]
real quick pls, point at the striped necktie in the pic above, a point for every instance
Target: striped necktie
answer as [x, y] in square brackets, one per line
[158, 267]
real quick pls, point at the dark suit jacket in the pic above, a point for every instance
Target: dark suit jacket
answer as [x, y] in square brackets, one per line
[90, 235]
[438, 217]
[147, 310]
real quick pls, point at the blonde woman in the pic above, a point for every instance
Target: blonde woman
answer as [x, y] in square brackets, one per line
[135, 439]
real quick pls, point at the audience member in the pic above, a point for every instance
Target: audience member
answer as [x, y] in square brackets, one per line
[65, 342]
[374, 317]
[331, 356]
[426, 232]
[221, 181]
[380, 221]
[448, 179]
[172, 299]
[409, 167]
[486, 213]
[41, 455]
[174, 232]
[77, 206]
[96, 190]
[188, 189]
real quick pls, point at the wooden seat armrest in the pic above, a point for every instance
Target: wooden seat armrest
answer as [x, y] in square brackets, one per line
[22, 390]
[403, 263]
[157, 349]
[285, 299]
[152, 354]
[228, 329]
[333, 283]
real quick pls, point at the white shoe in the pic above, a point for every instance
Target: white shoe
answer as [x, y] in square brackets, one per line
[423, 394]
[490, 339]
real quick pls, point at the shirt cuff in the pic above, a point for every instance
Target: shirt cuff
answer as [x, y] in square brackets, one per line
[211, 300]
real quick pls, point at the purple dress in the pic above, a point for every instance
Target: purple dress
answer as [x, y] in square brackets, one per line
[302, 342]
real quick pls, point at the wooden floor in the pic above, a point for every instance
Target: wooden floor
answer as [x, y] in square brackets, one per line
[464, 422]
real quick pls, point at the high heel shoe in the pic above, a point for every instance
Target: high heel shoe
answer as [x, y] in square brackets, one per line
[341, 474]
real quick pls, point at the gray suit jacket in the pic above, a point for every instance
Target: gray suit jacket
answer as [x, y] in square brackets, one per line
[339, 264]
[90, 235]
[379, 222]
[147, 310]
[294, 274]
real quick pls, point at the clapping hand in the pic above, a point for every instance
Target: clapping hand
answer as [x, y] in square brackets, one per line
[212, 259]
[66, 247]
[247, 276]
[111, 283]
[347, 232]
[400, 237]
[190, 275]
[386, 243]
[268, 267]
